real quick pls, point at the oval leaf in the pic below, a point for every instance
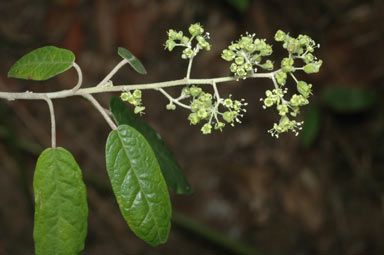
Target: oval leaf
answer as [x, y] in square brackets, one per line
[343, 99]
[60, 204]
[138, 185]
[170, 169]
[311, 127]
[132, 60]
[42, 64]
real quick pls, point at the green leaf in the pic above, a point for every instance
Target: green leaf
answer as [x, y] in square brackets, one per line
[42, 64]
[343, 99]
[132, 60]
[60, 204]
[311, 127]
[240, 5]
[138, 184]
[171, 170]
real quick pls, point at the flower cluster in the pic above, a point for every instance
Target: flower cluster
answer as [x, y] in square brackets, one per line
[134, 98]
[215, 111]
[246, 54]
[177, 38]
[300, 48]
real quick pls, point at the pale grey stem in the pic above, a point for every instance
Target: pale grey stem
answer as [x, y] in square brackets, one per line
[112, 73]
[53, 122]
[173, 100]
[80, 77]
[189, 68]
[107, 118]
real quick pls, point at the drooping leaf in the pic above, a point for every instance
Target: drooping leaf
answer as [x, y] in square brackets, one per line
[311, 127]
[345, 99]
[171, 170]
[132, 60]
[42, 64]
[61, 210]
[138, 184]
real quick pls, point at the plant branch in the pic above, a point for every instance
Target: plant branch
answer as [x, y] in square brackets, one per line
[28, 95]
[80, 77]
[53, 122]
[106, 116]
[173, 100]
[112, 73]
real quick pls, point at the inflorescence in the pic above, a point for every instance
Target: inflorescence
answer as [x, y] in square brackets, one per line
[247, 56]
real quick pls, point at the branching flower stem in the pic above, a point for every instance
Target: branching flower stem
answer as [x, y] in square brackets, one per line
[174, 100]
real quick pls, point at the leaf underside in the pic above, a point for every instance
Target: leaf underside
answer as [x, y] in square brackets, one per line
[42, 64]
[132, 60]
[61, 210]
[170, 169]
[138, 184]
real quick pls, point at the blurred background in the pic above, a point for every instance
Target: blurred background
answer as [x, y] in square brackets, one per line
[319, 193]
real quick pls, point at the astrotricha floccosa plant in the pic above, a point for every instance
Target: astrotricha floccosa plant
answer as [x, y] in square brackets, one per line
[140, 166]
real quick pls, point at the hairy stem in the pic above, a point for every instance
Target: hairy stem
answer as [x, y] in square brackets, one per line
[107, 118]
[53, 122]
[173, 100]
[28, 95]
[112, 73]
[80, 77]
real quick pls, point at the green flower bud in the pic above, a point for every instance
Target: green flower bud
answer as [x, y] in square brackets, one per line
[137, 94]
[206, 129]
[134, 101]
[195, 91]
[179, 35]
[202, 113]
[313, 67]
[240, 72]
[139, 109]
[170, 44]
[280, 36]
[171, 106]
[283, 109]
[187, 53]
[287, 65]
[229, 116]
[268, 102]
[233, 68]
[194, 118]
[219, 125]
[228, 102]
[260, 44]
[250, 47]
[237, 105]
[195, 29]
[304, 89]
[255, 59]
[185, 40]
[266, 51]
[186, 92]
[239, 60]
[293, 45]
[227, 55]
[125, 96]
[195, 105]
[281, 77]
[268, 65]
[247, 67]
[172, 34]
